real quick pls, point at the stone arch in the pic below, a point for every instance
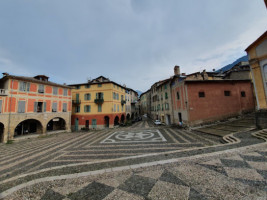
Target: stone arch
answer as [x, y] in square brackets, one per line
[55, 124]
[28, 126]
[122, 118]
[128, 116]
[106, 120]
[116, 121]
[2, 130]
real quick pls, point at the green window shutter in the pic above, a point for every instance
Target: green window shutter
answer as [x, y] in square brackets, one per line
[44, 106]
[35, 106]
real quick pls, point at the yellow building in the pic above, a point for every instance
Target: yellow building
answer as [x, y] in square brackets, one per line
[257, 53]
[97, 104]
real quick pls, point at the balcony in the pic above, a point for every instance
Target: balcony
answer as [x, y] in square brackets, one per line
[77, 101]
[123, 102]
[3, 92]
[99, 101]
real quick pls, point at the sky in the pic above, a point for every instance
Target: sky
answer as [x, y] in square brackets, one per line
[131, 42]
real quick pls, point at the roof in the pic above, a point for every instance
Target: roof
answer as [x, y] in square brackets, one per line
[256, 41]
[217, 81]
[145, 92]
[102, 80]
[32, 79]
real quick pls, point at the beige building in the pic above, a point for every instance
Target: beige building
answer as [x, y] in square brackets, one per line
[31, 105]
[145, 102]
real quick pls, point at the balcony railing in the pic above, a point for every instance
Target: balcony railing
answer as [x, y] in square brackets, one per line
[77, 101]
[3, 92]
[99, 101]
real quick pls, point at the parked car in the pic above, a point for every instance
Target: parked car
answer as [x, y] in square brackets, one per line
[157, 122]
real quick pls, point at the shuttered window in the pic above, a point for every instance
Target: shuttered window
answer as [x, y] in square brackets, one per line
[87, 108]
[35, 106]
[87, 96]
[54, 107]
[21, 107]
[44, 106]
[65, 92]
[55, 90]
[24, 86]
[64, 107]
[41, 89]
[99, 108]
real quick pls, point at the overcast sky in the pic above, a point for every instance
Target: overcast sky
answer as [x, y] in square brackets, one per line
[132, 42]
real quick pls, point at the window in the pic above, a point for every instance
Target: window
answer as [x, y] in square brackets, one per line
[24, 86]
[77, 109]
[178, 95]
[21, 107]
[201, 94]
[243, 94]
[87, 96]
[165, 86]
[41, 89]
[99, 85]
[77, 87]
[121, 97]
[0, 106]
[87, 86]
[99, 95]
[118, 108]
[55, 90]
[87, 108]
[161, 97]
[166, 95]
[54, 107]
[227, 93]
[114, 108]
[166, 106]
[99, 108]
[65, 92]
[117, 96]
[38, 106]
[162, 107]
[121, 107]
[64, 109]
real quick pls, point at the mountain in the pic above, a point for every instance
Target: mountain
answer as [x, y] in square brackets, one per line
[139, 92]
[227, 67]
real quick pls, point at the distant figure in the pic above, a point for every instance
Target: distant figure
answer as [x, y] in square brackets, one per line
[181, 124]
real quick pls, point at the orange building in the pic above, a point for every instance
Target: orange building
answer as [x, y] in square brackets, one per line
[32, 105]
[97, 104]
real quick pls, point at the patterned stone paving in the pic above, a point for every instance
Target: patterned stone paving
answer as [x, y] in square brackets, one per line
[210, 178]
[81, 152]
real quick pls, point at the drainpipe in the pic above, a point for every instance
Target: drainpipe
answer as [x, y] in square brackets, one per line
[9, 116]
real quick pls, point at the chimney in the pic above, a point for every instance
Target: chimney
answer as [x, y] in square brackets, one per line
[176, 70]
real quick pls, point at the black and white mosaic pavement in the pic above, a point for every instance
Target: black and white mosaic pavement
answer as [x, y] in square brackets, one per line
[81, 152]
[134, 136]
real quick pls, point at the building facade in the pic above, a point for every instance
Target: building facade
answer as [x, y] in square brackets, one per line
[201, 101]
[144, 102]
[257, 53]
[32, 105]
[98, 104]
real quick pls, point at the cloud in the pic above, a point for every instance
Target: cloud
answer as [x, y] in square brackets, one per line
[133, 42]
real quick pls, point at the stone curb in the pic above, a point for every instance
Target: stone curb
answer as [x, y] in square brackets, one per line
[102, 171]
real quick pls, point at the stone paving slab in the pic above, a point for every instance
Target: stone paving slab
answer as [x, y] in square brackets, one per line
[189, 179]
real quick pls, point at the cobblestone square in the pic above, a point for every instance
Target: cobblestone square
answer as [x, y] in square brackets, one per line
[136, 163]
